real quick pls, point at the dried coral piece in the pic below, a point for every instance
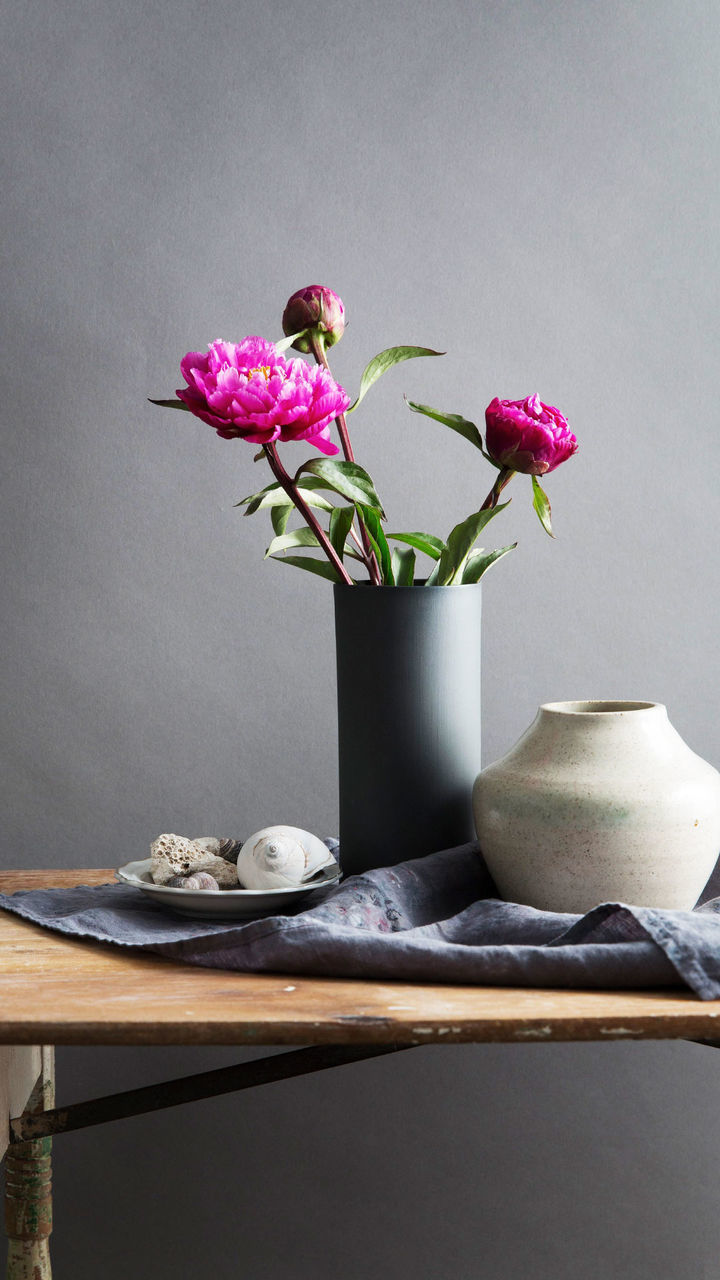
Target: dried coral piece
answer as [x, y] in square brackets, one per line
[173, 855]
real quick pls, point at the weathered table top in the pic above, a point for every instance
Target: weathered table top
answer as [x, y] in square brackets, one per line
[57, 990]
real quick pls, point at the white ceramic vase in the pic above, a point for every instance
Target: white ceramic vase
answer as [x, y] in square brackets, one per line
[599, 802]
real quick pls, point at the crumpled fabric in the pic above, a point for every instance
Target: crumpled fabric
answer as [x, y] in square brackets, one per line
[432, 919]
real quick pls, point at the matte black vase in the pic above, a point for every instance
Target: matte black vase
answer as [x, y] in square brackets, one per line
[408, 677]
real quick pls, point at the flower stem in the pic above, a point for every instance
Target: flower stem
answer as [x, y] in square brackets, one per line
[504, 477]
[371, 564]
[318, 350]
[295, 496]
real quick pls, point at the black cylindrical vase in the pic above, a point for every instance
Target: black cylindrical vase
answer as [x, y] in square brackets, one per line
[408, 687]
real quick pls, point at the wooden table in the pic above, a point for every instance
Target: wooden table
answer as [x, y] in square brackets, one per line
[58, 991]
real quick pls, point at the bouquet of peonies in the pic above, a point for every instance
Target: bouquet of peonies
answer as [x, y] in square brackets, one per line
[250, 391]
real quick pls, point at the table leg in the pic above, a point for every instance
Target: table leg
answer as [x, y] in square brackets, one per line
[28, 1190]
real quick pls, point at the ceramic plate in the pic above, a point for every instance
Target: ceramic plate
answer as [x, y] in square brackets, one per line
[222, 904]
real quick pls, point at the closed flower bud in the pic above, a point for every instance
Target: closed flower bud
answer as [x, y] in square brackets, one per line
[527, 435]
[316, 308]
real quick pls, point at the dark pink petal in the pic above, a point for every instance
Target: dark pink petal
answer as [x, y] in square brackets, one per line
[320, 439]
[191, 397]
[254, 352]
[228, 379]
[328, 406]
[247, 390]
[292, 417]
[252, 402]
[192, 361]
[533, 406]
[205, 416]
[220, 353]
[260, 435]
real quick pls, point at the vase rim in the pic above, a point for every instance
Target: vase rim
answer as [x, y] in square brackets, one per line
[420, 582]
[600, 707]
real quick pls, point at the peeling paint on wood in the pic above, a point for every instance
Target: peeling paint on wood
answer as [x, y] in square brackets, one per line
[28, 1191]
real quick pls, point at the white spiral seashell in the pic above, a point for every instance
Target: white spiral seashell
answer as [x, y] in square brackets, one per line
[279, 857]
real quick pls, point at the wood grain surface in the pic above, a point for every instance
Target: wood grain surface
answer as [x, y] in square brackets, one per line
[57, 990]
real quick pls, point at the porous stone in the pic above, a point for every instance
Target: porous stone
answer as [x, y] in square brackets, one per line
[172, 855]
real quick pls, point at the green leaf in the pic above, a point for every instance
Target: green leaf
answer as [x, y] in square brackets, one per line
[384, 361]
[309, 482]
[304, 482]
[432, 578]
[376, 534]
[269, 488]
[285, 343]
[541, 503]
[273, 495]
[340, 522]
[460, 542]
[426, 542]
[346, 478]
[453, 420]
[280, 516]
[171, 404]
[479, 561]
[403, 566]
[296, 538]
[322, 568]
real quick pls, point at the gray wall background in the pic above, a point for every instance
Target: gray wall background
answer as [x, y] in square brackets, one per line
[532, 186]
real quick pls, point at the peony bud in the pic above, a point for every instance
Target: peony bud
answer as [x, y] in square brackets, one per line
[317, 308]
[527, 435]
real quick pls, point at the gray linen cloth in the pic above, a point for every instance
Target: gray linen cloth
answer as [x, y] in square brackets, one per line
[433, 919]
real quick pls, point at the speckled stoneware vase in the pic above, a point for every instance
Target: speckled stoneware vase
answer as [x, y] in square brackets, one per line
[599, 802]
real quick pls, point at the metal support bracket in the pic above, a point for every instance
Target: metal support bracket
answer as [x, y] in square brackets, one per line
[205, 1084]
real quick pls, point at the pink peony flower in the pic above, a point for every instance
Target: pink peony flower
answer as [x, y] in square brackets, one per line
[246, 390]
[314, 307]
[527, 435]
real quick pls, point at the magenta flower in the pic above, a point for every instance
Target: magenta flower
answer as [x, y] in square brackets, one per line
[246, 390]
[527, 435]
[314, 307]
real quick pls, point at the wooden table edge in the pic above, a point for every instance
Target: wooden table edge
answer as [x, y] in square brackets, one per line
[373, 1032]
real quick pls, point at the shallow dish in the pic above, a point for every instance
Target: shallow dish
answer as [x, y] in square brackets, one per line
[221, 904]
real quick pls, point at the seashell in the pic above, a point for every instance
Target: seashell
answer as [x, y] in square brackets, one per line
[175, 882]
[210, 844]
[277, 857]
[201, 880]
[229, 850]
[220, 846]
[172, 855]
